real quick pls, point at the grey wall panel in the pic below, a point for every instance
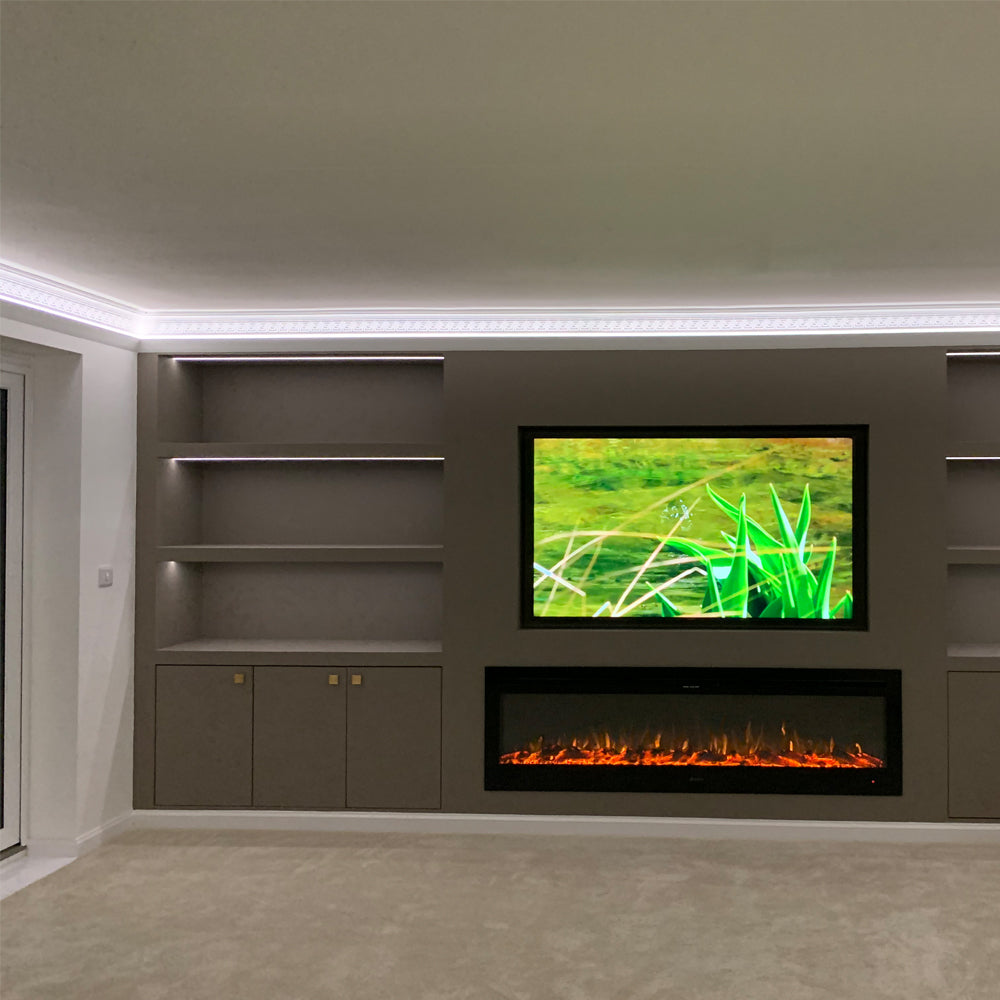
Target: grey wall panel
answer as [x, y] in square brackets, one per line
[974, 503]
[146, 541]
[179, 400]
[322, 402]
[974, 604]
[178, 602]
[333, 503]
[973, 736]
[973, 399]
[900, 393]
[179, 502]
[321, 601]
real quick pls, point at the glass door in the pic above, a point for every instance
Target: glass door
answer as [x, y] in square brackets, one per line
[11, 534]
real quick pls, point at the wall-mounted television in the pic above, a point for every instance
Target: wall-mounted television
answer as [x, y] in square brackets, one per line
[756, 527]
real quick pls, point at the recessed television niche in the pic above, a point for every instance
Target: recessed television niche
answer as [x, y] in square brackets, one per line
[750, 527]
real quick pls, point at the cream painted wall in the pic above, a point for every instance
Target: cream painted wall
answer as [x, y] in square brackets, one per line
[80, 514]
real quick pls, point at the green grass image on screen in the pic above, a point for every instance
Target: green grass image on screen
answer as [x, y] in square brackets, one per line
[701, 527]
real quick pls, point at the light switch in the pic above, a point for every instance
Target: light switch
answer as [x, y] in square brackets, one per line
[105, 576]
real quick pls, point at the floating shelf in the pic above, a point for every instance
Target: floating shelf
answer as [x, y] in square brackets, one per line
[262, 450]
[969, 450]
[301, 553]
[977, 650]
[977, 555]
[304, 652]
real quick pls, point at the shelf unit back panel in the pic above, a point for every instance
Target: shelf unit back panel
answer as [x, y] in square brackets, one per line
[974, 399]
[974, 503]
[298, 601]
[301, 503]
[974, 604]
[177, 613]
[300, 402]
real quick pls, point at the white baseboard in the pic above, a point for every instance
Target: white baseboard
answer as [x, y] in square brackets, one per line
[90, 841]
[65, 847]
[590, 826]
[52, 847]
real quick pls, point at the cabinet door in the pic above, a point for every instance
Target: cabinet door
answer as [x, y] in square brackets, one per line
[394, 738]
[298, 738]
[973, 734]
[204, 730]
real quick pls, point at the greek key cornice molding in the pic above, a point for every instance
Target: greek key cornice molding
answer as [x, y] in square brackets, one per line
[51, 296]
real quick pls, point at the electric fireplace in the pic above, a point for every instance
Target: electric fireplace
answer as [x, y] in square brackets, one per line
[730, 730]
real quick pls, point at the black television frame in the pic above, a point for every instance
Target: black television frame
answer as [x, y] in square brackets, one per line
[858, 433]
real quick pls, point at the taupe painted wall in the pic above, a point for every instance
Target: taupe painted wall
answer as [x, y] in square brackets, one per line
[899, 392]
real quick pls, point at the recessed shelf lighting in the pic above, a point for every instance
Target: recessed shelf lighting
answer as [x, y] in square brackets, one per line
[313, 357]
[973, 458]
[974, 354]
[309, 458]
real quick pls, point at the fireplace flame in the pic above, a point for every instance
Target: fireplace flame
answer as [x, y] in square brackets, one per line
[723, 750]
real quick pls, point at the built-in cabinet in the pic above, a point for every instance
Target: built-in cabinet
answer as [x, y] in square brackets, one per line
[290, 539]
[286, 737]
[973, 583]
[299, 758]
[289, 518]
[204, 736]
[973, 732]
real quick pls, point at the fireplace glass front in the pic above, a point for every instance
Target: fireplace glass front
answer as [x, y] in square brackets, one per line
[725, 730]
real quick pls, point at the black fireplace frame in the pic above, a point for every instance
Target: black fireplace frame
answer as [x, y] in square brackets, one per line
[886, 684]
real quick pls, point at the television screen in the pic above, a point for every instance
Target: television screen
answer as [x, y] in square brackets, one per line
[751, 527]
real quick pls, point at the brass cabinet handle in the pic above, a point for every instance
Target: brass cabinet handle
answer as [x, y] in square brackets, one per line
[239, 678]
[333, 680]
[356, 680]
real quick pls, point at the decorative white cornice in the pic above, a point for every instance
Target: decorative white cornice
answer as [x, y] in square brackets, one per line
[53, 297]
[48, 295]
[575, 323]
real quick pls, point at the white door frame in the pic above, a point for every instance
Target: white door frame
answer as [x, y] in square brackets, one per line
[13, 730]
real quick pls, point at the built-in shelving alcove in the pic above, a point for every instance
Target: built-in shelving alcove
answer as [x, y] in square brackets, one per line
[973, 581]
[290, 513]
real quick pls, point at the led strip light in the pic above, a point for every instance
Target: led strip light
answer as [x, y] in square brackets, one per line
[237, 358]
[310, 458]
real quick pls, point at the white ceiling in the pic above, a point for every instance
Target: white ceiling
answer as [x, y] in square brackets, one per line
[367, 155]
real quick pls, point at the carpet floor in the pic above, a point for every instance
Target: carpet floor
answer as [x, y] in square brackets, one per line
[277, 916]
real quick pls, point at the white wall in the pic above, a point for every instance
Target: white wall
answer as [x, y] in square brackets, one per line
[80, 513]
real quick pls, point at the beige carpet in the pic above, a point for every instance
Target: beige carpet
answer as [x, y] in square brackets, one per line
[271, 916]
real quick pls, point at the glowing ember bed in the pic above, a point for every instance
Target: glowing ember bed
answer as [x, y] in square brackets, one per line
[781, 730]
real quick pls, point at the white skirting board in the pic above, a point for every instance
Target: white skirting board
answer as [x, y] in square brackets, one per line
[45, 855]
[45, 847]
[589, 826]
